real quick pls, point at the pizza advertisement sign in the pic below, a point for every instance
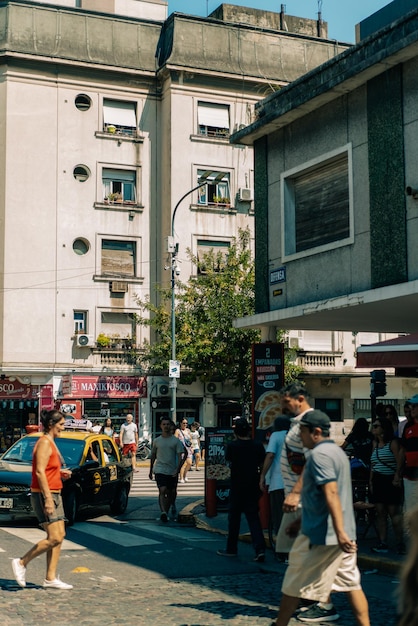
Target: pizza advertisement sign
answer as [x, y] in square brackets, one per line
[216, 465]
[267, 380]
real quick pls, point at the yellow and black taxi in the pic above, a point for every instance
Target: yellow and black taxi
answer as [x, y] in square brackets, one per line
[99, 475]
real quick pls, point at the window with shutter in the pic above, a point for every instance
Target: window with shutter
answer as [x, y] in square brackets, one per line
[119, 186]
[118, 258]
[119, 118]
[213, 252]
[316, 203]
[213, 119]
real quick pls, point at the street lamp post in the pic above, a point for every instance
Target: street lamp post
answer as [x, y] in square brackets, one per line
[173, 248]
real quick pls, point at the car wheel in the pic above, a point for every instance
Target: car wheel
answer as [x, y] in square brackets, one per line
[120, 502]
[71, 507]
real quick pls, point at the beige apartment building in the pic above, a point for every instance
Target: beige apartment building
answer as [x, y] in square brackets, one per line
[109, 113]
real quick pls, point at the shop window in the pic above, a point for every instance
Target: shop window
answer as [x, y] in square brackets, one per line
[217, 191]
[118, 258]
[317, 205]
[119, 118]
[211, 252]
[213, 119]
[80, 321]
[119, 186]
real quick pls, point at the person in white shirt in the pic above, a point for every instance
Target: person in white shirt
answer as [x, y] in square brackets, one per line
[128, 437]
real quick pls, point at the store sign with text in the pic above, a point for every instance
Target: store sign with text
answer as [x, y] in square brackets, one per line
[216, 466]
[16, 389]
[268, 379]
[103, 387]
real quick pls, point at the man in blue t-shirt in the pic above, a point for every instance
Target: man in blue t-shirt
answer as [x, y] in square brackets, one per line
[324, 555]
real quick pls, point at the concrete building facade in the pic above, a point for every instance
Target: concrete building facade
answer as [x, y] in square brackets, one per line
[335, 165]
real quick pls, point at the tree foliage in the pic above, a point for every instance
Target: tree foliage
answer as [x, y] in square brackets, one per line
[207, 344]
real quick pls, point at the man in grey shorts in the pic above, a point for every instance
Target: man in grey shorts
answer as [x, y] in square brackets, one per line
[324, 555]
[167, 457]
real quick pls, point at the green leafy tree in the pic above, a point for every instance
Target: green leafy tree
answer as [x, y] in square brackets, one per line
[207, 344]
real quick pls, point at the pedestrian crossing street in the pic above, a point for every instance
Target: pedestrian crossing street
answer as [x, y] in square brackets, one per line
[122, 533]
[126, 534]
[143, 486]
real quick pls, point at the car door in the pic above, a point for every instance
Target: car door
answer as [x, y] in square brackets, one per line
[96, 475]
[110, 455]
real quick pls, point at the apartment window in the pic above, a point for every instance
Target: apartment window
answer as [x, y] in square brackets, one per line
[316, 203]
[217, 191]
[318, 341]
[81, 173]
[118, 258]
[81, 246]
[331, 407]
[80, 321]
[119, 118]
[119, 186]
[117, 324]
[213, 119]
[210, 251]
[83, 102]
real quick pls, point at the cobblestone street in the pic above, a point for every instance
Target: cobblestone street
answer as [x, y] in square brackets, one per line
[148, 600]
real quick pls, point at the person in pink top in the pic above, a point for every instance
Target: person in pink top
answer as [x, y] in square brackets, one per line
[47, 477]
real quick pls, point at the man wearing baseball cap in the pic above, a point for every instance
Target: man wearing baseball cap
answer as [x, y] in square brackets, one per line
[409, 442]
[324, 555]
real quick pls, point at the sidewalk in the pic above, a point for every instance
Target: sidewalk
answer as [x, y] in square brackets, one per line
[389, 563]
[368, 561]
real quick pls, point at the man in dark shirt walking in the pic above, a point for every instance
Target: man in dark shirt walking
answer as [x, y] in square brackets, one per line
[246, 457]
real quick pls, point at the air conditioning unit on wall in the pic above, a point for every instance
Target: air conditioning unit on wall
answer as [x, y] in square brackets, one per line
[163, 390]
[213, 388]
[85, 341]
[245, 194]
[117, 286]
[293, 342]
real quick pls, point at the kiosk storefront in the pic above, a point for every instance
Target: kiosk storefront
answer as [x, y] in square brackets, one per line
[20, 404]
[100, 397]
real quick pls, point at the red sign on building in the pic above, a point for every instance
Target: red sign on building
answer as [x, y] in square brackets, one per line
[104, 387]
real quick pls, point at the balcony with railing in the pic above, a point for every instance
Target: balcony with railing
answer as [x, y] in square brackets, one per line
[320, 361]
[116, 352]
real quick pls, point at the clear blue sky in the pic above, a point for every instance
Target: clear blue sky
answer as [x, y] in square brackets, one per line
[341, 15]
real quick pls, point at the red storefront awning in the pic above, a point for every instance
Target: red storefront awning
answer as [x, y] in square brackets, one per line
[400, 353]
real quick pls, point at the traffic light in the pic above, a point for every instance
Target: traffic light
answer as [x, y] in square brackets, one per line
[378, 383]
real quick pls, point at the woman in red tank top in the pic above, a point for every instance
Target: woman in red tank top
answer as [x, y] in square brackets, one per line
[47, 476]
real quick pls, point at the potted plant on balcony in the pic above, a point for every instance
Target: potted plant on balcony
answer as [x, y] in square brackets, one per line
[102, 341]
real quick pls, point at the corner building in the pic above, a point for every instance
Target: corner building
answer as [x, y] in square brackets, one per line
[109, 112]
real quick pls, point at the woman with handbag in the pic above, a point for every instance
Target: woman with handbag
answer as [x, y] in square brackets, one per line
[386, 484]
[183, 433]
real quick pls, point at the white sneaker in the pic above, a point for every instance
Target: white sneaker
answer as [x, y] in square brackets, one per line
[19, 572]
[181, 480]
[57, 583]
[186, 480]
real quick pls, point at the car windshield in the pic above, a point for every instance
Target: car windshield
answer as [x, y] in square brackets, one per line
[22, 450]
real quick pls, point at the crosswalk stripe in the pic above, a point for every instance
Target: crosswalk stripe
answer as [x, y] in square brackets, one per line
[126, 540]
[143, 486]
[33, 535]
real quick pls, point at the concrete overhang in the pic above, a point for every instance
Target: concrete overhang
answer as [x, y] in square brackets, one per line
[390, 309]
[390, 46]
